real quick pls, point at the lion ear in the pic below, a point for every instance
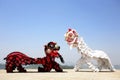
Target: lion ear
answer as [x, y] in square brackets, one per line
[69, 29]
[45, 46]
[74, 31]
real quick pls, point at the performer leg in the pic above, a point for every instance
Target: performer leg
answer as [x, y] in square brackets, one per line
[57, 67]
[9, 68]
[79, 63]
[100, 64]
[41, 69]
[21, 69]
[91, 66]
[45, 68]
[109, 65]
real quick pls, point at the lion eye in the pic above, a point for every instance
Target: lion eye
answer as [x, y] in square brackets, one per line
[48, 51]
[51, 46]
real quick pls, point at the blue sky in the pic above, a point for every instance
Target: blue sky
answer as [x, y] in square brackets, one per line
[27, 25]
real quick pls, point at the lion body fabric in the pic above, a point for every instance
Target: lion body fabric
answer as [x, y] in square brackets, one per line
[17, 59]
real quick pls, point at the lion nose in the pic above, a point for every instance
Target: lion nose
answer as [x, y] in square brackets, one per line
[57, 47]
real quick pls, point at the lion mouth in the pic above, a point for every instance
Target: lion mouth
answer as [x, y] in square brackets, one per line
[55, 53]
[69, 39]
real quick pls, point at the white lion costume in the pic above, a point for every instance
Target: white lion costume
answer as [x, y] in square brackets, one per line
[87, 54]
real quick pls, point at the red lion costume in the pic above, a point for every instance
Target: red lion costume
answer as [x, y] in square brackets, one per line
[17, 59]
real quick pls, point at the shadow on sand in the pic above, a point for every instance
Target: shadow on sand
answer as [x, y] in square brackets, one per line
[98, 72]
[39, 72]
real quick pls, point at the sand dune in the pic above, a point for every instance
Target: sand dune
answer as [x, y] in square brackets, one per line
[68, 74]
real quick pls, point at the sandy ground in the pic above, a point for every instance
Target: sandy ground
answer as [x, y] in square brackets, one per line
[68, 74]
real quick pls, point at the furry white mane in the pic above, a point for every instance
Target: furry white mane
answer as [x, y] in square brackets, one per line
[87, 54]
